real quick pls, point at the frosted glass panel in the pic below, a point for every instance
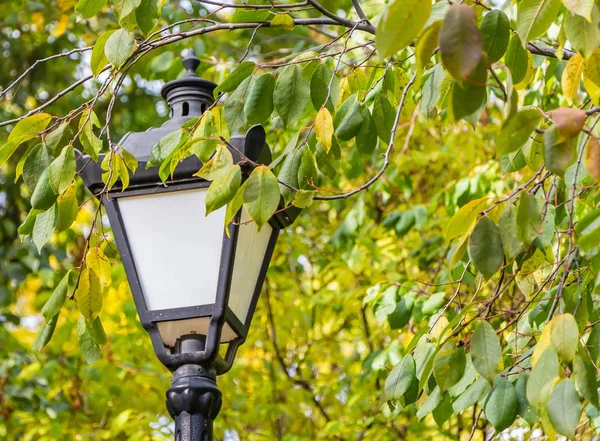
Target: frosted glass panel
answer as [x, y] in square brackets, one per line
[249, 257]
[175, 247]
[171, 331]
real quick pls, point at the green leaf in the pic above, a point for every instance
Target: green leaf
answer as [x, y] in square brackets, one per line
[581, 7]
[44, 336]
[26, 129]
[558, 155]
[328, 162]
[432, 401]
[261, 195]
[88, 295]
[292, 92]
[165, 148]
[384, 115]
[96, 331]
[36, 162]
[7, 150]
[526, 411]
[401, 22]
[43, 227]
[348, 119]
[593, 344]
[289, 174]
[54, 139]
[68, 208]
[88, 8]
[427, 44]
[502, 406]
[400, 378]
[234, 206]
[469, 96]
[90, 142]
[400, 317]
[542, 377]
[26, 228]
[486, 351]
[443, 411]
[43, 196]
[319, 83]
[495, 30]
[259, 102]
[308, 175]
[529, 218]
[62, 170]
[461, 44]
[235, 78]
[466, 380]
[534, 17]
[565, 336]
[233, 109]
[303, 198]
[564, 408]
[89, 348]
[98, 59]
[515, 132]
[147, 14]
[250, 16]
[56, 301]
[125, 7]
[432, 88]
[449, 365]
[507, 224]
[584, 34]
[118, 47]
[223, 189]
[485, 247]
[218, 166]
[516, 59]
[366, 138]
[284, 21]
[585, 376]
[470, 396]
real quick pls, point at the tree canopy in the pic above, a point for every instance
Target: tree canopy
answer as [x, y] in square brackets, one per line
[442, 279]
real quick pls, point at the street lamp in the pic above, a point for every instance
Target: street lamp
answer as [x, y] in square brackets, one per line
[195, 287]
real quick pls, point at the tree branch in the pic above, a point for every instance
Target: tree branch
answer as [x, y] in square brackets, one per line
[360, 12]
[340, 20]
[254, 7]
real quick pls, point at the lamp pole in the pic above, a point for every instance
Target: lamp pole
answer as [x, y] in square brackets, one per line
[193, 400]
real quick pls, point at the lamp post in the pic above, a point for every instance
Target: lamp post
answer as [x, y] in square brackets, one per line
[195, 287]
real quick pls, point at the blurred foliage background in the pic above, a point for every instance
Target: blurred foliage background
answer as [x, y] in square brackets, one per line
[325, 335]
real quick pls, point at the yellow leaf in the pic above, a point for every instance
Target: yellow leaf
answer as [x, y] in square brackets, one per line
[61, 26]
[97, 261]
[593, 158]
[89, 295]
[283, 21]
[591, 76]
[543, 343]
[437, 333]
[324, 128]
[37, 18]
[571, 77]
[464, 218]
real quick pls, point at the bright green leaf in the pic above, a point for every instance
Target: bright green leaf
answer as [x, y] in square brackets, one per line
[401, 22]
[261, 195]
